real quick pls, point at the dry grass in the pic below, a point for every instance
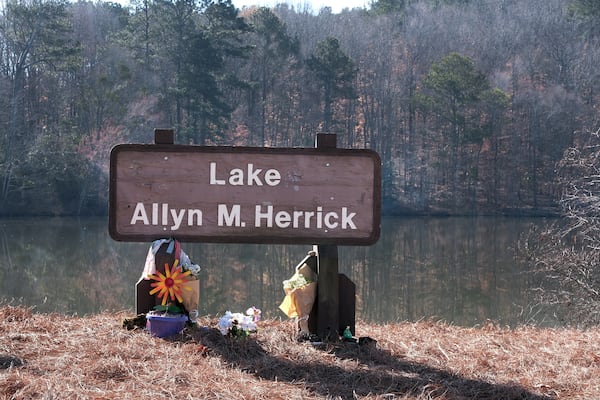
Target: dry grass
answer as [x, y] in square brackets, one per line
[50, 356]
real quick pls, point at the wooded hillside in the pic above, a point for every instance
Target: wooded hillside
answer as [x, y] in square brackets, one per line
[470, 104]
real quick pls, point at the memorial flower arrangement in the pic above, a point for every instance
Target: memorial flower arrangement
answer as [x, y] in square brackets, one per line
[168, 318]
[185, 292]
[238, 324]
[170, 287]
[300, 294]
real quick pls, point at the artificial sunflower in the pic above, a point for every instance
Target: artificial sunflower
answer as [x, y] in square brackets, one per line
[171, 284]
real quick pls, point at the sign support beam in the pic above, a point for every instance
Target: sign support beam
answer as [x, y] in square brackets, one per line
[327, 263]
[144, 302]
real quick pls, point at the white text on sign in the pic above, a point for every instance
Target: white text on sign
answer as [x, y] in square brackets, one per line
[156, 214]
[251, 176]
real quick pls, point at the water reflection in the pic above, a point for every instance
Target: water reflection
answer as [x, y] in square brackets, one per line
[457, 269]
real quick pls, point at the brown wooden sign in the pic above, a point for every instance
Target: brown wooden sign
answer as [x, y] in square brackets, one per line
[244, 194]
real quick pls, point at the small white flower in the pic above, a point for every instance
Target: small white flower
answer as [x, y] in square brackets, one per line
[254, 313]
[241, 322]
[296, 281]
[225, 323]
[194, 268]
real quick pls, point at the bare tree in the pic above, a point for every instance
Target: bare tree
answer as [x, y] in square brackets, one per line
[566, 253]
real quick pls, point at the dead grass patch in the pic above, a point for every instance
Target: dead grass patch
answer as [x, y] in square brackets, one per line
[95, 358]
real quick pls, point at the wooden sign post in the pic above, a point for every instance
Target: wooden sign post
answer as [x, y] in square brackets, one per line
[322, 196]
[328, 280]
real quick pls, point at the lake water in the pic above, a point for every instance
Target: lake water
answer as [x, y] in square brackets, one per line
[461, 270]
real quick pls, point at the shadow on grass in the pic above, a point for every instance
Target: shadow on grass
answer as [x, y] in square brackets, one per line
[365, 370]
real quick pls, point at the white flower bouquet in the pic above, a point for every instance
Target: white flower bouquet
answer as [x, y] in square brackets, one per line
[238, 324]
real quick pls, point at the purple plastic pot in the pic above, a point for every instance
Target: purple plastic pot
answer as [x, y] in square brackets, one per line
[163, 325]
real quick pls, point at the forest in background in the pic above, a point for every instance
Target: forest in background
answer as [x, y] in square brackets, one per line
[471, 104]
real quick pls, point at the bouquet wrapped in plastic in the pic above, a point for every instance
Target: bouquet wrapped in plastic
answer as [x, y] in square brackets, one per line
[300, 294]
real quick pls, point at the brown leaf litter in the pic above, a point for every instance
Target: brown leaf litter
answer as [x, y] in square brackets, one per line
[52, 356]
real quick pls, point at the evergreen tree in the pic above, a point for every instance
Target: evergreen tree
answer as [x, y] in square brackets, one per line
[586, 8]
[275, 54]
[380, 7]
[335, 74]
[455, 90]
[204, 102]
[589, 12]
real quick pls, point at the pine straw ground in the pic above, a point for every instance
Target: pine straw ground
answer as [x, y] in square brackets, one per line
[50, 356]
